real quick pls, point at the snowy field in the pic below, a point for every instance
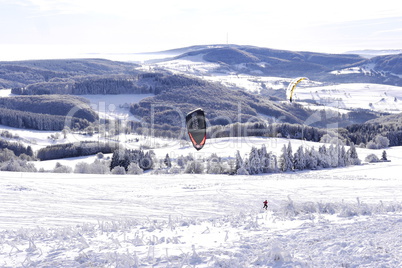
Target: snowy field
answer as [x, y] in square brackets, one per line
[346, 217]
[376, 97]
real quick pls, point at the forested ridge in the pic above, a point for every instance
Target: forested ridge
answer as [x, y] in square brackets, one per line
[144, 83]
[46, 112]
[19, 74]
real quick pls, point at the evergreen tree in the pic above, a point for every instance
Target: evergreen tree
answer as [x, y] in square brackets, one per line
[333, 156]
[353, 157]
[239, 161]
[323, 160]
[384, 156]
[254, 161]
[146, 162]
[341, 156]
[120, 158]
[285, 161]
[181, 162]
[115, 160]
[299, 159]
[167, 161]
[313, 157]
[290, 156]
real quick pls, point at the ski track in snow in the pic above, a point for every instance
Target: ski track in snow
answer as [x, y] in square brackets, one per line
[320, 218]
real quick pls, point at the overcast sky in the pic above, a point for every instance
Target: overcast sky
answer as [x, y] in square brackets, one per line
[64, 28]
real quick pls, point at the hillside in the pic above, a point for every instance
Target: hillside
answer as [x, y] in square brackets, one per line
[48, 112]
[23, 73]
[222, 105]
[282, 63]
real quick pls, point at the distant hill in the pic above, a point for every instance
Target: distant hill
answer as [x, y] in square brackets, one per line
[370, 53]
[268, 61]
[283, 63]
[388, 63]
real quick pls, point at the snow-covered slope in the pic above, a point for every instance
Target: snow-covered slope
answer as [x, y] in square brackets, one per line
[331, 218]
[376, 97]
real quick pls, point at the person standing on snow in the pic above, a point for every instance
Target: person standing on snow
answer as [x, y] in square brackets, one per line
[265, 204]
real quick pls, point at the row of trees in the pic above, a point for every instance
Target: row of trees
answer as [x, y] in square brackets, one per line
[261, 161]
[258, 161]
[38, 121]
[145, 83]
[367, 134]
[16, 147]
[132, 158]
[11, 162]
[263, 129]
[66, 150]
[46, 113]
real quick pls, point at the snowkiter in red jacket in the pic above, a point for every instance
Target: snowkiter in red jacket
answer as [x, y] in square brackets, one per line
[265, 204]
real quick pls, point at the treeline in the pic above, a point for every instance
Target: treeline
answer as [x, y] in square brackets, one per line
[67, 150]
[127, 158]
[251, 129]
[10, 162]
[146, 83]
[366, 133]
[263, 129]
[19, 74]
[17, 148]
[261, 161]
[54, 105]
[46, 112]
[18, 119]
[45, 88]
[109, 86]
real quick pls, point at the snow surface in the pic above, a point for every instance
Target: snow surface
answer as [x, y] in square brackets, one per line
[115, 106]
[345, 217]
[381, 98]
[319, 218]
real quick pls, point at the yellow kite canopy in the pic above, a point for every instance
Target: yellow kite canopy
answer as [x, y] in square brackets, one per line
[292, 87]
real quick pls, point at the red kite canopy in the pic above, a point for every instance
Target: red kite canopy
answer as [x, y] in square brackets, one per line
[196, 128]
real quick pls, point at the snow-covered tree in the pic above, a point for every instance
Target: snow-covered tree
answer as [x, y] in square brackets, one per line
[167, 161]
[312, 158]
[341, 156]
[352, 155]
[181, 162]
[118, 170]
[254, 161]
[134, 169]
[381, 141]
[214, 165]
[372, 158]
[290, 155]
[239, 161]
[194, 167]
[384, 156]
[285, 161]
[299, 159]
